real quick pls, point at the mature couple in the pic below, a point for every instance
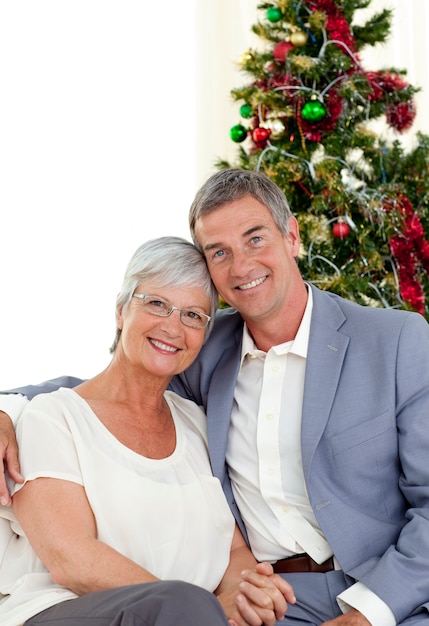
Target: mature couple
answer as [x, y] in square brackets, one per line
[317, 429]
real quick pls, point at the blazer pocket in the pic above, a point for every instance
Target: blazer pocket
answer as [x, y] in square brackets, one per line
[367, 457]
[367, 431]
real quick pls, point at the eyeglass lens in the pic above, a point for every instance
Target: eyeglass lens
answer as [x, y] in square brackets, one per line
[189, 317]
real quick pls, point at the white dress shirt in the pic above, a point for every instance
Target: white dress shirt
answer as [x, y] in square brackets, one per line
[265, 463]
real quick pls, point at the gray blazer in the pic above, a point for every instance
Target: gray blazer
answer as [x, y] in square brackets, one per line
[365, 436]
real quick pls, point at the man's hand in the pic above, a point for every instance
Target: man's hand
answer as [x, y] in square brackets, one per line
[9, 456]
[353, 618]
[262, 598]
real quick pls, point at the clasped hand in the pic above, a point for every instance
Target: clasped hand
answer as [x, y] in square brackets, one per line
[8, 457]
[262, 598]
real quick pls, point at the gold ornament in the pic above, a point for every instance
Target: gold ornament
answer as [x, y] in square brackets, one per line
[299, 38]
[246, 57]
[302, 63]
[317, 20]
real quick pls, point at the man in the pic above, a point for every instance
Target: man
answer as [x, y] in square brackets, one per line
[318, 414]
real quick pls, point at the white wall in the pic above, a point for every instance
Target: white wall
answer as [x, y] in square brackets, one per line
[112, 113]
[223, 34]
[407, 48]
[97, 154]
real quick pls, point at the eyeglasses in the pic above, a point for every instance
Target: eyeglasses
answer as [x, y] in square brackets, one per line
[158, 306]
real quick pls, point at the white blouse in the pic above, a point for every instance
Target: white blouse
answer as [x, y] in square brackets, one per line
[169, 515]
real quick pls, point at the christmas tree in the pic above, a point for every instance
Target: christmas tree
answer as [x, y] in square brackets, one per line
[362, 201]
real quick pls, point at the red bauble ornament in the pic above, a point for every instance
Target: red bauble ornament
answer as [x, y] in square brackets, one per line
[341, 230]
[260, 135]
[281, 50]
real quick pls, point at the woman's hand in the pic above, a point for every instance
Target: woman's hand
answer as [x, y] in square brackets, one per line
[9, 456]
[249, 592]
[260, 599]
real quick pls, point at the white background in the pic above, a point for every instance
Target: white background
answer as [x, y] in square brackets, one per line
[97, 155]
[111, 114]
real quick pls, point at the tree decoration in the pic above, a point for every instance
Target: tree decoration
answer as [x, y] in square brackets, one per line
[298, 38]
[337, 26]
[411, 251]
[238, 133]
[260, 135]
[274, 14]
[313, 111]
[341, 230]
[401, 116]
[281, 50]
[361, 199]
[246, 111]
[246, 57]
[316, 130]
[276, 126]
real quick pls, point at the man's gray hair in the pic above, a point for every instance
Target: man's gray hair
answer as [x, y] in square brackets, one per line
[233, 184]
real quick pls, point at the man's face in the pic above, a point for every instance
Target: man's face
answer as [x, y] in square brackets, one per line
[251, 262]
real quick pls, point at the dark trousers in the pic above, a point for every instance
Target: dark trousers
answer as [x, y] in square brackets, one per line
[164, 603]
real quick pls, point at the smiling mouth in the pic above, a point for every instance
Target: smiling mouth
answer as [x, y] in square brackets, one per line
[253, 283]
[163, 346]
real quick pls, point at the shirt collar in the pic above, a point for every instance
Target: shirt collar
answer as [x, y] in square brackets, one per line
[298, 346]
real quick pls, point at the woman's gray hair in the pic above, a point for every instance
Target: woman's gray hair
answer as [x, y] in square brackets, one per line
[233, 184]
[170, 262]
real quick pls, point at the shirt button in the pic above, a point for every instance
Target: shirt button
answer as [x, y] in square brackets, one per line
[270, 471]
[275, 368]
[269, 416]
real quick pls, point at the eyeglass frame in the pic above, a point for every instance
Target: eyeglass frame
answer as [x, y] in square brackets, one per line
[172, 308]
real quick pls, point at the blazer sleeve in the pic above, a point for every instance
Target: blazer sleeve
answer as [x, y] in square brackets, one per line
[45, 387]
[400, 576]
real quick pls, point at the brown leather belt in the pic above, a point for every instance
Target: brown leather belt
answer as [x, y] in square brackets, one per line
[302, 563]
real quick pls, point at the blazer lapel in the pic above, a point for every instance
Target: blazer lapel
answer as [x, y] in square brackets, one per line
[326, 351]
[219, 406]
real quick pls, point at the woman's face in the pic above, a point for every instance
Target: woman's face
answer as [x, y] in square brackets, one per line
[162, 346]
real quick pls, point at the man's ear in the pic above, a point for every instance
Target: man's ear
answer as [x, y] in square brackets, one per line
[293, 235]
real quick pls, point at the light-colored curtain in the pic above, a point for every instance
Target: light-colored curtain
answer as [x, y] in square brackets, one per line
[224, 33]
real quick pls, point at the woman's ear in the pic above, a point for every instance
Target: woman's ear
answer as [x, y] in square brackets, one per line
[119, 318]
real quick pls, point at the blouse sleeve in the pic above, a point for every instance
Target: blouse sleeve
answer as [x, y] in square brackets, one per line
[46, 445]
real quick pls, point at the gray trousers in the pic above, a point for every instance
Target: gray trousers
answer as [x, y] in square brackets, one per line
[316, 600]
[164, 603]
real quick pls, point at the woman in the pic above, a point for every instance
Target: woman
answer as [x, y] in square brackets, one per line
[118, 493]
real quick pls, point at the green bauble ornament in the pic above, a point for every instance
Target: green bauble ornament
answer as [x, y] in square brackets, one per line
[274, 14]
[238, 133]
[313, 111]
[246, 111]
